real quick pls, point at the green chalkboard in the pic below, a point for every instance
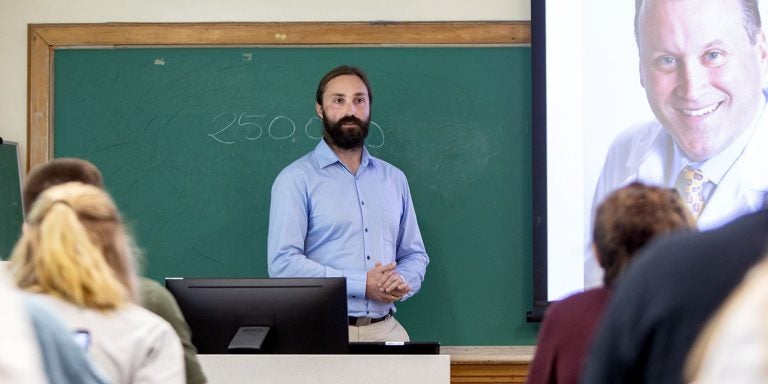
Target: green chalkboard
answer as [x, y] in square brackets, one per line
[10, 198]
[190, 140]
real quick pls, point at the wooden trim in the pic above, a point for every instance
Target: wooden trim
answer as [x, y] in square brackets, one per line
[489, 373]
[284, 33]
[45, 38]
[489, 364]
[39, 122]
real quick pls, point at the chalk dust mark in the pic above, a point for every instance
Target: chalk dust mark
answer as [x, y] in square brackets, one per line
[205, 255]
[492, 155]
[160, 61]
[148, 125]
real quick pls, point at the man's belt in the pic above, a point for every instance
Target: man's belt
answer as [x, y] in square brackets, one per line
[360, 321]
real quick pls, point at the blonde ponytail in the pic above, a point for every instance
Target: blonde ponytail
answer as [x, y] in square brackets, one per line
[62, 250]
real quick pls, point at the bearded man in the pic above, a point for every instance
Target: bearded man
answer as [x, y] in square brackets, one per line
[338, 211]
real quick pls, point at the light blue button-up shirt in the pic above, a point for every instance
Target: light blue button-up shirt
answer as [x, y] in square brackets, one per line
[326, 222]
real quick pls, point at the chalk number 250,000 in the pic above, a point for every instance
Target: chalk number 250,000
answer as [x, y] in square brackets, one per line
[280, 128]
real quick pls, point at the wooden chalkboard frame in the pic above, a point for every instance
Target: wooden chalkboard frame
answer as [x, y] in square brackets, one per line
[11, 205]
[44, 39]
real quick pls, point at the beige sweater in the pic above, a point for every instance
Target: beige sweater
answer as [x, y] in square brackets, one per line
[131, 345]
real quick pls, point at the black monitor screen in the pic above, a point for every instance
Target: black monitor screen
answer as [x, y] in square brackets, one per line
[298, 315]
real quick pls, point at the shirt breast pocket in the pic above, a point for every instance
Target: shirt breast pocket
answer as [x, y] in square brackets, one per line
[390, 224]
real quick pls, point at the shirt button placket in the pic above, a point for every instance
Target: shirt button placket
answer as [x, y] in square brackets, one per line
[365, 225]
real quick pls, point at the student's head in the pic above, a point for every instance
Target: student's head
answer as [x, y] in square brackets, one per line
[55, 172]
[629, 218]
[343, 102]
[703, 66]
[74, 246]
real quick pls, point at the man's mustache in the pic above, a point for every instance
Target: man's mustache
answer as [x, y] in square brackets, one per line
[350, 119]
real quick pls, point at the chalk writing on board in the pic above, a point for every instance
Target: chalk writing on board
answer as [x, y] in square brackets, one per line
[281, 127]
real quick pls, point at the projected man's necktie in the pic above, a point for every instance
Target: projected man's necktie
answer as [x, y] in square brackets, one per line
[693, 181]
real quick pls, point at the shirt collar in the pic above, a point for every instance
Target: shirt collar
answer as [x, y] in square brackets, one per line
[325, 156]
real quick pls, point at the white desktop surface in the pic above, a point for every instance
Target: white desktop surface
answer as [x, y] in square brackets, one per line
[326, 369]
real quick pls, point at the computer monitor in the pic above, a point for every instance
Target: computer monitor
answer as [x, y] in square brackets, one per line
[277, 315]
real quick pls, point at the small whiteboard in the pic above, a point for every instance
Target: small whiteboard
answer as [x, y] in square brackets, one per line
[11, 216]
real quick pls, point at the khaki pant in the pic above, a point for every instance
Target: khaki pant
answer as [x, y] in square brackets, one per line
[387, 330]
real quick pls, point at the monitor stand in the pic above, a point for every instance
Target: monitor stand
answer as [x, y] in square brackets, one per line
[248, 340]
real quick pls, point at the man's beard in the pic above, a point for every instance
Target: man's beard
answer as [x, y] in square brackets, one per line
[347, 138]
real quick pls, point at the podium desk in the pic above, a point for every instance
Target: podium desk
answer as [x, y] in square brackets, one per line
[489, 364]
[326, 369]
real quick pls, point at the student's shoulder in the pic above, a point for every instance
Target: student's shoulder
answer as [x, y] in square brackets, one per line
[750, 230]
[674, 262]
[157, 299]
[150, 287]
[588, 301]
[149, 325]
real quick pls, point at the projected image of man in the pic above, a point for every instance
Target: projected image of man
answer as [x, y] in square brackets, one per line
[703, 67]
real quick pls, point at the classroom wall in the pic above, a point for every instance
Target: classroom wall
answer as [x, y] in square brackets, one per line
[16, 14]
